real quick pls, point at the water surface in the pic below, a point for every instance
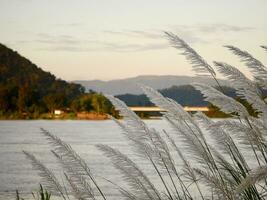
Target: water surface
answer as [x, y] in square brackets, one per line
[15, 136]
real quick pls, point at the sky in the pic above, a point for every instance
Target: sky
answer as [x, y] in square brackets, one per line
[115, 39]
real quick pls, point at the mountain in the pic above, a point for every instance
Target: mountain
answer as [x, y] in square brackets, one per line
[130, 85]
[26, 88]
[185, 95]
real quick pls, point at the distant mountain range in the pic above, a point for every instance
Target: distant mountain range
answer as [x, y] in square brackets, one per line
[130, 85]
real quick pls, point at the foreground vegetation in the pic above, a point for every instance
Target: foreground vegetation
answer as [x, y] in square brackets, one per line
[199, 159]
[42, 194]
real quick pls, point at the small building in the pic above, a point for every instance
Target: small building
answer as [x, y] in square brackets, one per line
[58, 112]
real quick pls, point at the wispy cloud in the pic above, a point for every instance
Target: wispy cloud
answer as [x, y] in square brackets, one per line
[134, 40]
[212, 28]
[134, 47]
[156, 35]
[72, 44]
[74, 24]
[205, 33]
[224, 28]
[136, 33]
[58, 39]
[106, 46]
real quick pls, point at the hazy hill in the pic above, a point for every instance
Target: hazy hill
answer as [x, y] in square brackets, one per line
[24, 87]
[185, 95]
[129, 85]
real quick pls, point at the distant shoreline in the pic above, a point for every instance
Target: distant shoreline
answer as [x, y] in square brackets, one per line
[64, 116]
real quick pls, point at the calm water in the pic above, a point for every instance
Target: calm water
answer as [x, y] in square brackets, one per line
[16, 172]
[15, 136]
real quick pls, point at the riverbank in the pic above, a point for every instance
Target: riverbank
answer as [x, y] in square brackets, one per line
[49, 116]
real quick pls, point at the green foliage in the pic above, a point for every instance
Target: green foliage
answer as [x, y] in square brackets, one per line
[26, 88]
[26, 91]
[18, 196]
[92, 102]
[215, 112]
[248, 106]
[42, 194]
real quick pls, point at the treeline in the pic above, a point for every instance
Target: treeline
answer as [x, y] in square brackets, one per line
[92, 101]
[27, 90]
[185, 95]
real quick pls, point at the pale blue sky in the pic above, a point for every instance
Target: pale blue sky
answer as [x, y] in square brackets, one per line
[110, 39]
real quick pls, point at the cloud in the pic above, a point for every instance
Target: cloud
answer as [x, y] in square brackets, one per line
[224, 28]
[69, 43]
[106, 46]
[74, 24]
[67, 49]
[137, 33]
[157, 35]
[191, 33]
[149, 39]
[213, 28]
[58, 39]
[134, 47]
[206, 33]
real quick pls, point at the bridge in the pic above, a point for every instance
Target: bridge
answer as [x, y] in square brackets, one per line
[157, 109]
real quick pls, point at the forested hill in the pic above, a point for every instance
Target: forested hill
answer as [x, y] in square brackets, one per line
[185, 95]
[24, 87]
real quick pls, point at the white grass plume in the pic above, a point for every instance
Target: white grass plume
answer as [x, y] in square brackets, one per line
[176, 115]
[125, 193]
[76, 191]
[167, 104]
[213, 182]
[65, 151]
[71, 158]
[200, 66]
[162, 148]
[139, 182]
[80, 185]
[182, 122]
[133, 124]
[258, 69]
[255, 176]
[188, 169]
[254, 64]
[49, 180]
[243, 132]
[223, 102]
[147, 142]
[246, 89]
[236, 77]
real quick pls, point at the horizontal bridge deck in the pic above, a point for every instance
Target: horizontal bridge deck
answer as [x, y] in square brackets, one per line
[157, 109]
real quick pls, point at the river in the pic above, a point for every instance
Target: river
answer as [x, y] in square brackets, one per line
[15, 136]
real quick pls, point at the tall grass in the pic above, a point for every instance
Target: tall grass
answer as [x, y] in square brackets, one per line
[211, 153]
